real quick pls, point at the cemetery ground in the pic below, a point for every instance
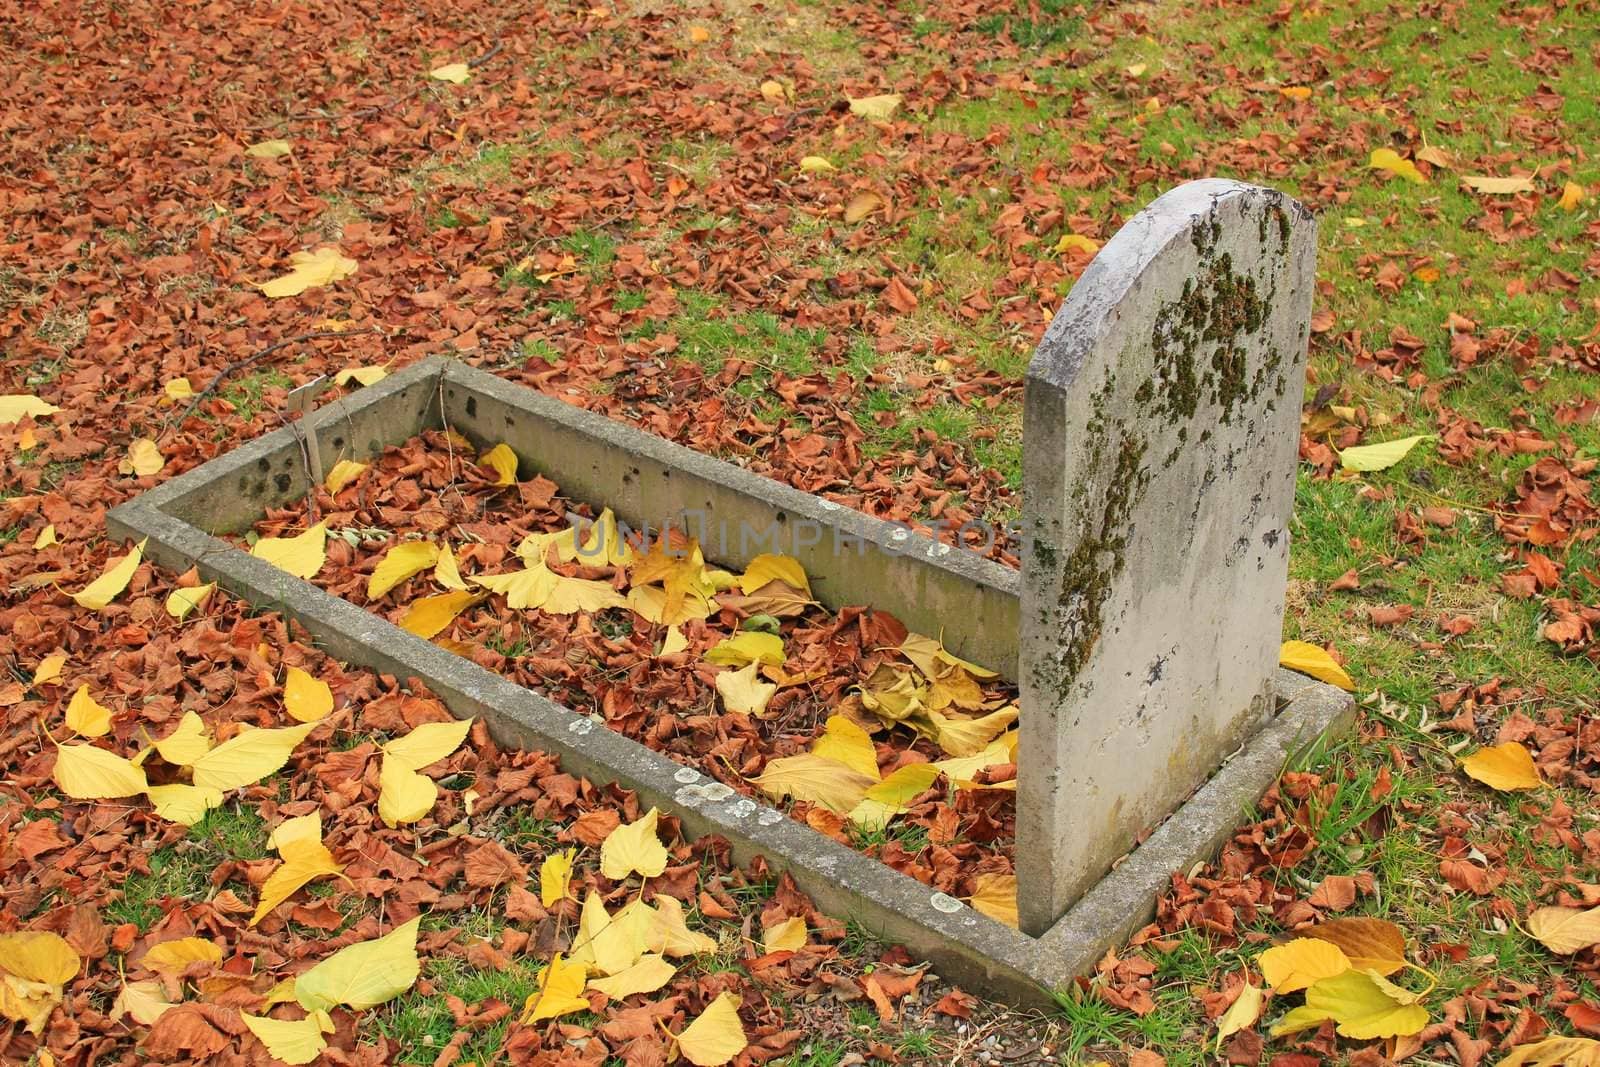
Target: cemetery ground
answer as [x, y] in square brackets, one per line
[673, 216]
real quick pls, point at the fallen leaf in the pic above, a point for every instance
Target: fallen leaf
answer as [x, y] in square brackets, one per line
[503, 462]
[1506, 767]
[773, 92]
[143, 1001]
[269, 149]
[185, 804]
[788, 935]
[186, 743]
[1380, 456]
[560, 984]
[716, 1037]
[742, 692]
[15, 407]
[1313, 660]
[1387, 159]
[1368, 943]
[98, 594]
[1295, 92]
[143, 460]
[184, 600]
[84, 772]
[175, 956]
[427, 743]
[815, 165]
[343, 473]
[248, 757]
[85, 716]
[302, 555]
[49, 670]
[812, 778]
[294, 1041]
[403, 561]
[365, 974]
[1300, 963]
[648, 975]
[1242, 1013]
[844, 742]
[1554, 1052]
[1076, 242]
[633, 848]
[305, 859]
[747, 647]
[555, 878]
[1479, 183]
[860, 206]
[891, 796]
[305, 697]
[427, 616]
[310, 270]
[456, 73]
[876, 108]
[1565, 930]
[404, 796]
[996, 896]
[1571, 196]
[360, 375]
[47, 537]
[1365, 1005]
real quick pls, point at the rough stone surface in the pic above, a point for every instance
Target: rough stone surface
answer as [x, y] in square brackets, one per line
[1161, 431]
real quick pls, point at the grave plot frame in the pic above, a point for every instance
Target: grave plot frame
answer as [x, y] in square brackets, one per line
[934, 588]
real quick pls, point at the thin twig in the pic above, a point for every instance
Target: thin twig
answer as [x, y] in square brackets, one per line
[249, 361]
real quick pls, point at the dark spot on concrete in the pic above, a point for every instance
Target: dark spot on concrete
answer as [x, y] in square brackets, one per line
[1270, 538]
[472, 407]
[283, 481]
[263, 464]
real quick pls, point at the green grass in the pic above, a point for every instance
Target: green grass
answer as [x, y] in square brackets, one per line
[183, 871]
[422, 1025]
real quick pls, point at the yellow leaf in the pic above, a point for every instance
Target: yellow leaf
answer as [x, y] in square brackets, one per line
[404, 796]
[85, 716]
[608, 943]
[844, 742]
[786, 936]
[184, 804]
[555, 878]
[860, 206]
[891, 796]
[568, 596]
[716, 1037]
[14, 407]
[1439, 157]
[1297, 964]
[106, 588]
[769, 566]
[674, 642]
[633, 847]
[305, 858]
[178, 389]
[964, 770]
[932, 658]
[1380, 456]
[996, 896]
[46, 538]
[365, 974]
[749, 646]
[306, 698]
[301, 555]
[295, 833]
[1366, 1005]
[310, 270]
[1506, 767]
[815, 165]
[1387, 159]
[343, 473]
[293, 1041]
[360, 375]
[447, 573]
[30, 1003]
[182, 601]
[699, 34]
[502, 461]
[1571, 197]
[773, 92]
[533, 548]
[965, 737]
[172, 957]
[1310, 659]
[456, 73]
[820, 781]
[876, 108]
[428, 743]
[403, 561]
[269, 149]
[1554, 1052]
[1478, 183]
[1565, 930]
[87, 773]
[560, 983]
[1295, 92]
[1369, 944]
[1241, 1014]
[428, 615]
[39, 956]
[742, 692]
[143, 1001]
[648, 975]
[1078, 243]
[248, 757]
[187, 743]
[667, 931]
[49, 670]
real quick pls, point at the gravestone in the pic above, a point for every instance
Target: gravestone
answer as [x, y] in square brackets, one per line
[1161, 431]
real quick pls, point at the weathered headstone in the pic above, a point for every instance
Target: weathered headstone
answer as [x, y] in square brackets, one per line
[1161, 432]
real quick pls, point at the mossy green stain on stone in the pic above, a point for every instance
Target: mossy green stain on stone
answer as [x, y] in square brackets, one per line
[1214, 310]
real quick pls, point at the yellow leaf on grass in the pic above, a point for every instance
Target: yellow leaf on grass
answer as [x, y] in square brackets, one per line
[14, 407]
[667, 930]
[85, 716]
[1439, 157]
[84, 772]
[39, 956]
[1311, 659]
[360, 375]
[143, 1001]
[404, 796]
[428, 743]
[648, 975]
[1571, 197]
[1299, 963]
[860, 206]
[1507, 768]
[742, 692]
[610, 944]
[699, 34]
[184, 804]
[172, 957]
[447, 572]
[560, 985]
[1387, 159]
[248, 757]
[403, 561]
[529, 588]
[455, 73]
[555, 878]
[1366, 1005]
[1565, 930]
[187, 743]
[786, 936]
[305, 858]
[1380, 456]
[1369, 944]
[749, 646]
[812, 778]
[876, 108]
[428, 615]
[143, 459]
[294, 1041]
[633, 847]
[301, 555]
[1295, 92]
[269, 149]
[49, 670]
[502, 461]
[343, 473]
[996, 896]
[1076, 242]
[1241, 1014]
[815, 165]
[891, 796]
[365, 974]
[844, 742]
[46, 538]
[310, 270]
[182, 601]
[1554, 1052]
[106, 588]
[1479, 183]
[769, 566]
[716, 1037]
[305, 697]
[773, 92]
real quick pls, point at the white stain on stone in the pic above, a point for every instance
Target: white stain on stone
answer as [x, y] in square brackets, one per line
[710, 793]
[946, 903]
[742, 808]
[686, 776]
[581, 727]
[768, 817]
